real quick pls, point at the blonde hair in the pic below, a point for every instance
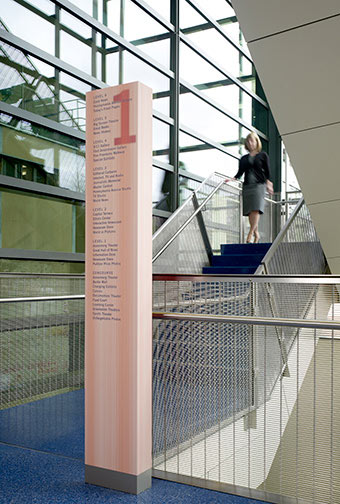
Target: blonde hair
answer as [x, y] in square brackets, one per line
[255, 137]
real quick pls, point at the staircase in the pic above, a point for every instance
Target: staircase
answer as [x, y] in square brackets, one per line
[239, 258]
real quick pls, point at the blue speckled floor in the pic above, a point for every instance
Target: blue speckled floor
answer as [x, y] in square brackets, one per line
[54, 424]
[47, 463]
[31, 477]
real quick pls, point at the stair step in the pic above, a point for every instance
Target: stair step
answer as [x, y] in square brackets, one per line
[237, 259]
[244, 248]
[227, 270]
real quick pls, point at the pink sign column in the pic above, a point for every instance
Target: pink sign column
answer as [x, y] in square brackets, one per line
[118, 348]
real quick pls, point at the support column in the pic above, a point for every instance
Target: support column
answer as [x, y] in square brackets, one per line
[118, 338]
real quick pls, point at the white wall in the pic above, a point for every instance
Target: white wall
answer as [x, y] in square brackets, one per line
[295, 48]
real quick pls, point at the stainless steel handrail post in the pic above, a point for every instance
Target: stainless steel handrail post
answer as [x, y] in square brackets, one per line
[203, 229]
[279, 238]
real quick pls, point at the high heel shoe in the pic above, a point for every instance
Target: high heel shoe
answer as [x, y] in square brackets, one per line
[249, 238]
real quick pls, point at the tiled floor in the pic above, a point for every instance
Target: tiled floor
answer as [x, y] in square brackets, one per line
[33, 477]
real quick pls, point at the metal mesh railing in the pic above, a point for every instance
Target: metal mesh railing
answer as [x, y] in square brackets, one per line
[297, 249]
[183, 243]
[210, 217]
[41, 336]
[220, 412]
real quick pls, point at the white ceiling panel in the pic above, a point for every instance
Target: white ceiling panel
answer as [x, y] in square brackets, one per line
[300, 73]
[314, 154]
[326, 221]
[259, 18]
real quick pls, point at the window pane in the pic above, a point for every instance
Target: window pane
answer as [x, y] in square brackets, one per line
[195, 69]
[162, 7]
[20, 20]
[75, 24]
[161, 188]
[72, 108]
[36, 223]
[22, 85]
[202, 159]
[138, 24]
[217, 9]
[206, 120]
[27, 266]
[160, 139]
[135, 69]
[44, 5]
[28, 156]
[162, 105]
[75, 52]
[85, 5]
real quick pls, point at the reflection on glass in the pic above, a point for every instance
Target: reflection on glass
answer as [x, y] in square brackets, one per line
[20, 20]
[26, 156]
[35, 222]
[72, 111]
[28, 83]
[187, 188]
[22, 85]
[161, 189]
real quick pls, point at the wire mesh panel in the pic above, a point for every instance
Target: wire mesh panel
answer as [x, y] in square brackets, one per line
[201, 379]
[42, 363]
[208, 365]
[218, 221]
[14, 285]
[299, 252]
[225, 411]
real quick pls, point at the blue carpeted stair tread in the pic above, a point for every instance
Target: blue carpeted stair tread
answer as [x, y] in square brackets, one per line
[245, 248]
[228, 270]
[237, 258]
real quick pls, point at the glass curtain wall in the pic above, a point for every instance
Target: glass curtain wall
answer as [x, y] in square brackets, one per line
[206, 98]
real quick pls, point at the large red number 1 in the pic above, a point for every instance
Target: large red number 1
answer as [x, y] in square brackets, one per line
[125, 138]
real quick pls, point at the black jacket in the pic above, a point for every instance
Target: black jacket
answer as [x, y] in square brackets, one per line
[260, 168]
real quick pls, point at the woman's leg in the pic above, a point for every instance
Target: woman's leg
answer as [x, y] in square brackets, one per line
[254, 218]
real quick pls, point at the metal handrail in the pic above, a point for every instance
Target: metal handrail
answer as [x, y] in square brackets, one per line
[42, 275]
[187, 201]
[274, 278]
[183, 226]
[41, 298]
[265, 321]
[279, 238]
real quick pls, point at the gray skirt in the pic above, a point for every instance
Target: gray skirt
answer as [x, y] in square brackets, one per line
[253, 198]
